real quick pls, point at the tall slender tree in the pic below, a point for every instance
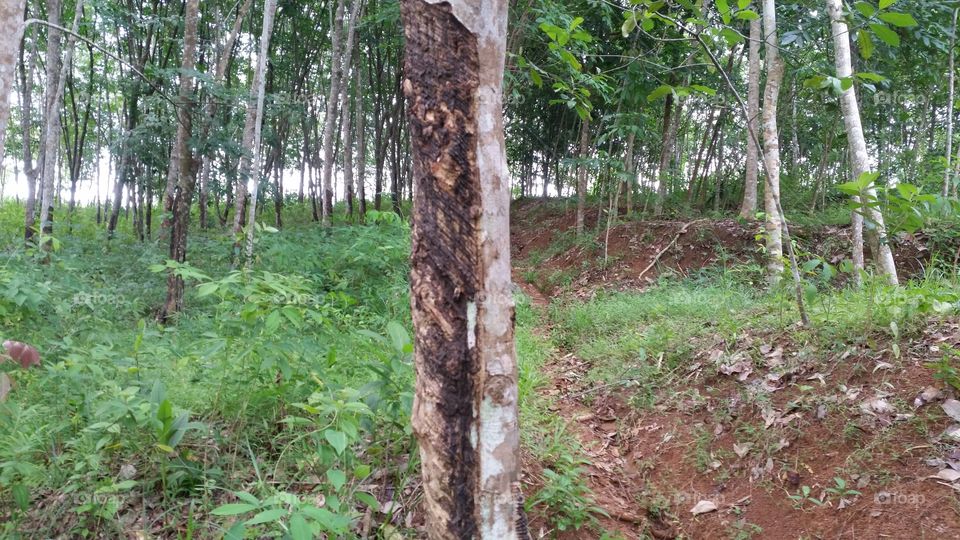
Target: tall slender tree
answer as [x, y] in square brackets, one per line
[771, 143]
[859, 155]
[749, 206]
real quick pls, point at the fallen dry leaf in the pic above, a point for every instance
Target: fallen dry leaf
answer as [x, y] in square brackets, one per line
[703, 507]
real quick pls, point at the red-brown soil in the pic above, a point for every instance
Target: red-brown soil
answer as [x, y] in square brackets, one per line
[849, 413]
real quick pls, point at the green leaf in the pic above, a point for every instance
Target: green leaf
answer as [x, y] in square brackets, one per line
[233, 509]
[866, 44]
[299, 528]
[731, 36]
[871, 77]
[742, 4]
[660, 92]
[901, 20]
[704, 89]
[748, 15]
[367, 499]
[885, 34]
[629, 24]
[884, 4]
[337, 478]
[266, 516]
[337, 439]
[724, 8]
[865, 9]
[398, 335]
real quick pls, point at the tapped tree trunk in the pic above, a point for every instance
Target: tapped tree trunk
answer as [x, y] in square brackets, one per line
[582, 174]
[749, 206]
[182, 169]
[11, 20]
[465, 410]
[771, 144]
[859, 157]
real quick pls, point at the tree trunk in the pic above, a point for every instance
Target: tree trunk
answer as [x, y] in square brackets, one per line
[51, 142]
[666, 153]
[346, 135]
[860, 159]
[465, 410]
[361, 137]
[771, 144]
[582, 173]
[631, 180]
[11, 20]
[269, 10]
[211, 109]
[29, 170]
[338, 58]
[749, 206]
[951, 78]
[181, 167]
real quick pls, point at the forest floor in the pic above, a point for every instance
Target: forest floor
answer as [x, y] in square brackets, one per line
[695, 406]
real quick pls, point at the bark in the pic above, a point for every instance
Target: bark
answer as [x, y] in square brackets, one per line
[346, 135]
[338, 58]
[465, 409]
[210, 112]
[181, 167]
[269, 11]
[860, 159]
[628, 169]
[11, 20]
[771, 144]
[29, 170]
[749, 206]
[52, 121]
[951, 78]
[582, 154]
[361, 137]
[666, 152]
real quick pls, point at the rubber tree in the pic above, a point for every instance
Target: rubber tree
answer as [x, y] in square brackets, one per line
[582, 153]
[56, 75]
[749, 206]
[11, 18]
[771, 143]
[465, 407]
[859, 156]
[269, 11]
[181, 168]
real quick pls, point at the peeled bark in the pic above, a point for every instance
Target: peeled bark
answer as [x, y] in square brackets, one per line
[465, 409]
[11, 20]
[182, 168]
[771, 144]
[582, 173]
[749, 206]
[859, 157]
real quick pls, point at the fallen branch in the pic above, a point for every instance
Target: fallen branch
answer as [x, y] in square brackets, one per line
[656, 259]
